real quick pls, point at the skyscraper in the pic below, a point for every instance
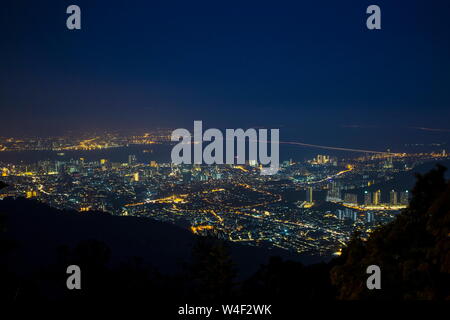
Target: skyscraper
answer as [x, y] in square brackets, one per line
[370, 217]
[131, 159]
[322, 159]
[346, 214]
[377, 197]
[393, 198]
[309, 194]
[186, 175]
[334, 192]
[404, 197]
[367, 198]
[351, 198]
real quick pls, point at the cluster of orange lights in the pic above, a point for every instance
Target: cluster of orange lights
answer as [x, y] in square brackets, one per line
[197, 229]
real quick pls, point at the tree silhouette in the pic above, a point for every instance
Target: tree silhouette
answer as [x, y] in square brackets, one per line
[211, 273]
[412, 251]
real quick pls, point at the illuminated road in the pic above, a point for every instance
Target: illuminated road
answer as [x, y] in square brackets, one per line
[295, 143]
[334, 148]
[246, 186]
[381, 207]
[350, 168]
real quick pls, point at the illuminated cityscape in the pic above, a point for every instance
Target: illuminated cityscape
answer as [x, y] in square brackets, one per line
[311, 206]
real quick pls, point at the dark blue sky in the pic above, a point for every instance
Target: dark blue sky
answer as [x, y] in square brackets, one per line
[297, 64]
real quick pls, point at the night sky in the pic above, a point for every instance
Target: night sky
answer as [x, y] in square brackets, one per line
[310, 66]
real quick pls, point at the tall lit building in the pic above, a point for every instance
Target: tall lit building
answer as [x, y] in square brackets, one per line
[334, 192]
[132, 159]
[186, 175]
[309, 194]
[347, 214]
[31, 194]
[370, 217]
[404, 197]
[351, 198]
[393, 198]
[388, 164]
[367, 198]
[321, 159]
[377, 197]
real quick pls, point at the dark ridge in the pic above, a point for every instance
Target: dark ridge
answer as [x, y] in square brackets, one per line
[40, 230]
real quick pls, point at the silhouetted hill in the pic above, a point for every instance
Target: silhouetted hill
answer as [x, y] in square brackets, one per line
[40, 230]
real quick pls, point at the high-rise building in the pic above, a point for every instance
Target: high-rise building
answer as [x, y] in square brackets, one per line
[404, 197]
[59, 166]
[334, 192]
[216, 175]
[393, 198]
[370, 217]
[321, 159]
[347, 213]
[31, 194]
[377, 197]
[351, 198]
[388, 164]
[153, 164]
[186, 175]
[367, 198]
[309, 194]
[131, 159]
